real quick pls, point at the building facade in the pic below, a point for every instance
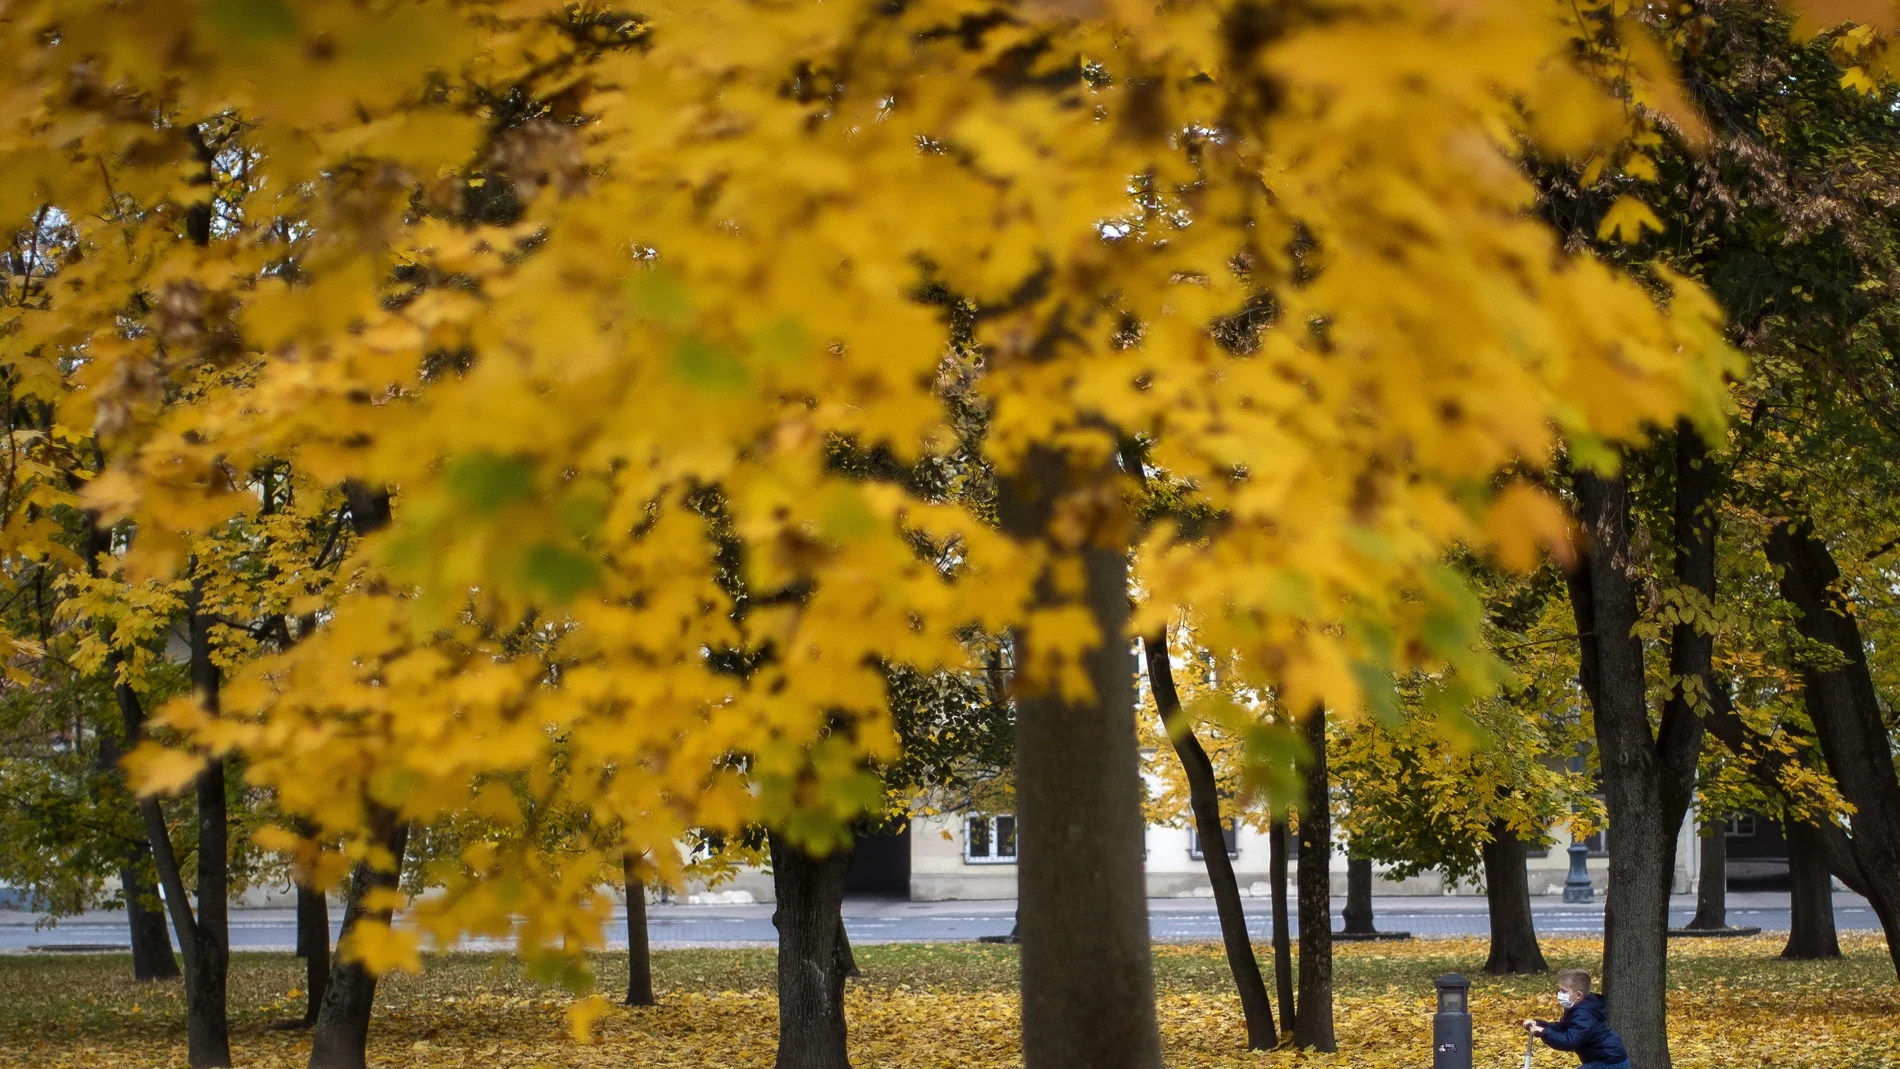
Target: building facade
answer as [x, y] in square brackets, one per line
[974, 856]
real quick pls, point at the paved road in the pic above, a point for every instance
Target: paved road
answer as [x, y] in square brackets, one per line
[887, 921]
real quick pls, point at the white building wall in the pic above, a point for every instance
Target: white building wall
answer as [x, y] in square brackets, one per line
[940, 871]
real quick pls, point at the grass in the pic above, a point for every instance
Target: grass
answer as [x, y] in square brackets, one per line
[1734, 1002]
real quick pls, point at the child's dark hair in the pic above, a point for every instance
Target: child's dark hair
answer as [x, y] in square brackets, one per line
[1577, 980]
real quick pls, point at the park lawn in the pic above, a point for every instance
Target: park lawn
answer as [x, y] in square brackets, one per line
[1734, 1003]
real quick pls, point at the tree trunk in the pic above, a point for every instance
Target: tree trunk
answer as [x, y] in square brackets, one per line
[1507, 895]
[639, 954]
[207, 1025]
[1691, 643]
[1636, 916]
[341, 1040]
[152, 957]
[1811, 899]
[1356, 919]
[204, 939]
[1847, 718]
[811, 963]
[1769, 769]
[1711, 894]
[1282, 929]
[313, 946]
[1313, 1019]
[158, 838]
[1204, 799]
[1087, 973]
[847, 960]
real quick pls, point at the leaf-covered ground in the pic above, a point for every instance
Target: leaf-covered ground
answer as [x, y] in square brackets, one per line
[1734, 1004]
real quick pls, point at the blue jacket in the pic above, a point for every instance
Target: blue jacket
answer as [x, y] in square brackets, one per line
[1585, 1030]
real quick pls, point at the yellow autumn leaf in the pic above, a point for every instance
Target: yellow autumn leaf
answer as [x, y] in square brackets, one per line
[1525, 522]
[582, 1015]
[1626, 221]
[277, 839]
[155, 769]
[1857, 80]
[381, 948]
[384, 898]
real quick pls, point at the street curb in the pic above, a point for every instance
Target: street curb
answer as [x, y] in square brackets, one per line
[1712, 933]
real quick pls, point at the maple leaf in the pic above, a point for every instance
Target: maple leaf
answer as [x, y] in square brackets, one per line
[1627, 219]
[157, 769]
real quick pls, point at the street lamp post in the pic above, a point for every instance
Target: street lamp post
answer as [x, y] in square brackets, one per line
[1577, 887]
[1451, 1025]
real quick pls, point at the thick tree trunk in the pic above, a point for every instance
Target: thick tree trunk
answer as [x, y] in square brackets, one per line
[341, 1040]
[1507, 894]
[1087, 974]
[1282, 928]
[313, 946]
[1636, 922]
[1356, 918]
[1811, 933]
[152, 957]
[1711, 894]
[1204, 799]
[1847, 719]
[1313, 1019]
[639, 954]
[811, 961]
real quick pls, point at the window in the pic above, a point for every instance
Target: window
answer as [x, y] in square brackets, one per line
[1231, 833]
[989, 840]
[1741, 826]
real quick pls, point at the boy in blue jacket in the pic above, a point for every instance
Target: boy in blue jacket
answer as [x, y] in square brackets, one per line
[1584, 1028]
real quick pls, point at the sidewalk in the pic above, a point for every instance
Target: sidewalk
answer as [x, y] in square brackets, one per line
[885, 920]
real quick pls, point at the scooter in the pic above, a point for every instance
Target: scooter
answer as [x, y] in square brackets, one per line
[1530, 1047]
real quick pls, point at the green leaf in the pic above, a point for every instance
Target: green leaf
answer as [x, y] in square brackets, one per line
[658, 296]
[711, 368]
[782, 341]
[1382, 698]
[847, 518]
[488, 483]
[1368, 542]
[259, 20]
[560, 572]
[1450, 626]
[558, 969]
[582, 510]
[1274, 755]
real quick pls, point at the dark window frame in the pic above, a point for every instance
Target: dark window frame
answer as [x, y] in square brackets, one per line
[1231, 835]
[997, 838]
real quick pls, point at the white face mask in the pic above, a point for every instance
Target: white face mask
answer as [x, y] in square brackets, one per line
[1565, 999]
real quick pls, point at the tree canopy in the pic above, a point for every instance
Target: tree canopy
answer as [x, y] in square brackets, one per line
[593, 297]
